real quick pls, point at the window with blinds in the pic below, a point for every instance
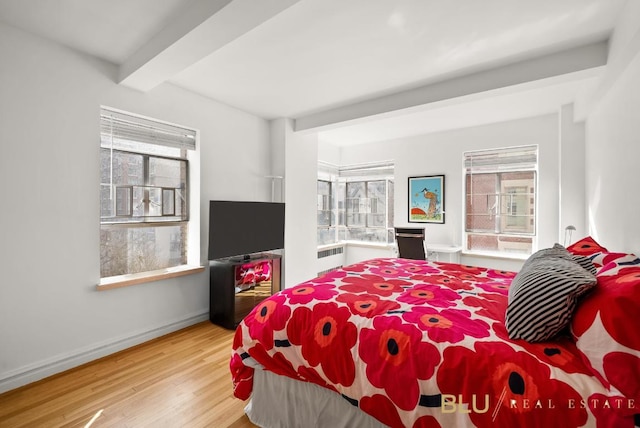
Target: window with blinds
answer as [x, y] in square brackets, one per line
[361, 202]
[500, 199]
[144, 194]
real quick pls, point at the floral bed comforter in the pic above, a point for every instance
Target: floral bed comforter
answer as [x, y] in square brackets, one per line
[422, 344]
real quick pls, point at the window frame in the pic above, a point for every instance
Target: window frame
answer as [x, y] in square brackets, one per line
[146, 173]
[340, 178]
[368, 204]
[186, 144]
[369, 211]
[512, 247]
[329, 204]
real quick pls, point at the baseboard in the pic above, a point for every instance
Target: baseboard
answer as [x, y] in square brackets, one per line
[34, 372]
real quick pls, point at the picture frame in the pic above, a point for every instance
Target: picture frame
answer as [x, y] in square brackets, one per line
[426, 199]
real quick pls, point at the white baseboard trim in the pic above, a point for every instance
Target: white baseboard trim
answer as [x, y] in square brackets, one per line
[42, 369]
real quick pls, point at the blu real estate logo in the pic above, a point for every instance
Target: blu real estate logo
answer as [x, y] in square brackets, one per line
[455, 404]
[482, 404]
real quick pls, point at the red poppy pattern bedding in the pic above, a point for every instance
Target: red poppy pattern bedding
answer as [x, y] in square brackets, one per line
[423, 344]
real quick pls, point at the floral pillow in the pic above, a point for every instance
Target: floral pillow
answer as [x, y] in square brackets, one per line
[605, 325]
[621, 261]
[599, 255]
[586, 247]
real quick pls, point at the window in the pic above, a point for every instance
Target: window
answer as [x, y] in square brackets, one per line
[355, 203]
[326, 214]
[144, 194]
[366, 210]
[325, 202]
[500, 200]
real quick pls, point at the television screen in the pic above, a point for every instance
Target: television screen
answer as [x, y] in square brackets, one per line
[242, 228]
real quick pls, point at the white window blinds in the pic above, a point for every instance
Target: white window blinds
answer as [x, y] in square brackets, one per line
[121, 126]
[524, 158]
[370, 170]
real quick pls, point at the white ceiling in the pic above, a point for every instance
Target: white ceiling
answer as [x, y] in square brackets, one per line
[312, 59]
[112, 30]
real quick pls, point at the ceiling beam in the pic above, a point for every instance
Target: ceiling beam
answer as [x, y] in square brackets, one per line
[550, 67]
[205, 27]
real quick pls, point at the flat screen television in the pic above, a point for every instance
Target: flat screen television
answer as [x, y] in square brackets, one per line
[239, 228]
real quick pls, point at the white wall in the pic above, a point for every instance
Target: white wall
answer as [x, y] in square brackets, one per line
[300, 154]
[441, 153]
[613, 141]
[572, 173]
[51, 316]
[355, 253]
[613, 164]
[277, 139]
[329, 153]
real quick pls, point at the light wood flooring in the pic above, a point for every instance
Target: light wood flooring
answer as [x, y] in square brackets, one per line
[179, 380]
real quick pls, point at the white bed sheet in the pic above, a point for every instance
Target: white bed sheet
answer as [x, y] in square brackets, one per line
[282, 402]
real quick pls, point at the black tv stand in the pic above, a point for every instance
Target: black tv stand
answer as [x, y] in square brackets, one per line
[231, 298]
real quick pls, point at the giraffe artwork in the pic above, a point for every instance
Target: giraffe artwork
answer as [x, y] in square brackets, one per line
[426, 199]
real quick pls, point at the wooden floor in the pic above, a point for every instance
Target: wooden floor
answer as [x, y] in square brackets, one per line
[178, 380]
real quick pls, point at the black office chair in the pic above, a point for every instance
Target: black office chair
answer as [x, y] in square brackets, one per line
[410, 243]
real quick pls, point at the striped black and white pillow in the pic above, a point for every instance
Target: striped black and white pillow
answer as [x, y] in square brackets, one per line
[543, 296]
[585, 263]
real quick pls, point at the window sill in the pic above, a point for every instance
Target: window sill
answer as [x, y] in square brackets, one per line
[368, 244]
[140, 278]
[496, 255]
[365, 244]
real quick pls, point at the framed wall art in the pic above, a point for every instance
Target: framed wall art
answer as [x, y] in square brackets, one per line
[426, 199]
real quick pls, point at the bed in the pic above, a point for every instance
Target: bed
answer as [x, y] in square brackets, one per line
[406, 343]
